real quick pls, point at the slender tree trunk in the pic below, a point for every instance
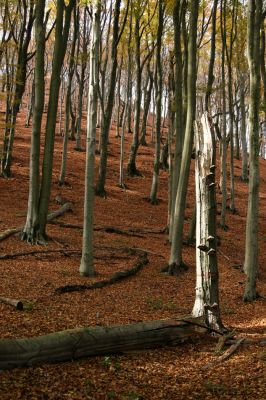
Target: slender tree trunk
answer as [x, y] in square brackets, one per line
[71, 69]
[147, 103]
[158, 89]
[30, 104]
[87, 265]
[20, 81]
[131, 166]
[251, 249]
[107, 115]
[243, 132]
[179, 126]
[31, 226]
[83, 55]
[223, 140]
[175, 261]
[61, 36]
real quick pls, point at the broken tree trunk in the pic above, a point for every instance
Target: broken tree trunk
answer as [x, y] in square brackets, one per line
[98, 340]
[207, 279]
[12, 302]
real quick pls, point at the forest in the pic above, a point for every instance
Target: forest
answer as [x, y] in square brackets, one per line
[133, 199]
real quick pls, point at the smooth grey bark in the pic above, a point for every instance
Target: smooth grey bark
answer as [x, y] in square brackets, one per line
[83, 56]
[170, 133]
[107, 113]
[251, 248]
[118, 99]
[126, 107]
[175, 261]
[71, 69]
[139, 65]
[131, 166]
[63, 18]
[243, 130]
[30, 104]
[178, 108]
[229, 56]
[29, 231]
[20, 79]
[147, 102]
[211, 76]
[223, 139]
[87, 264]
[158, 93]
[207, 277]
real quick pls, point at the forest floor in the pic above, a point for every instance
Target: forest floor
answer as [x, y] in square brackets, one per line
[165, 373]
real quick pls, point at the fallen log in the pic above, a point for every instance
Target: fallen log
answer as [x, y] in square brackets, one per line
[118, 276]
[55, 214]
[83, 342]
[12, 302]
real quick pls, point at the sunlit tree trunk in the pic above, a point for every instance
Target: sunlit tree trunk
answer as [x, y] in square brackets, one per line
[158, 90]
[175, 261]
[71, 69]
[20, 78]
[243, 130]
[207, 279]
[107, 113]
[178, 106]
[87, 265]
[251, 249]
[63, 18]
[29, 231]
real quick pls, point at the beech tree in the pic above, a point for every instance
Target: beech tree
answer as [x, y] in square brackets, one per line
[86, 265]
[251, 252]
[175, 261]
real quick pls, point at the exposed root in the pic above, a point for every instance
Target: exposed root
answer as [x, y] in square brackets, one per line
[175, 269]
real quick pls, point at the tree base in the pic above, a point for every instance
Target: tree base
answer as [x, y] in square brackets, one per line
[175, 269]
[224, 227]
[100, 192]
[154, 202]
[250, 296]
[132, 170]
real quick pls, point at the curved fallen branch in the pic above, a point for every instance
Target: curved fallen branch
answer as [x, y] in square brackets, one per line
[227, 354]
[55, 214]
[83, 342]
[118, 276]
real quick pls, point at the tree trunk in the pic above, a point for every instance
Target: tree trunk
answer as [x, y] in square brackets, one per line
[158, 89]
[207, 281]
[179, 126]
[251, 249]
[175, 262]
[71, 69]
[107, 114]
[30, 229]
[87, 265]
[61, 37]
[84, 342]
[243, 132]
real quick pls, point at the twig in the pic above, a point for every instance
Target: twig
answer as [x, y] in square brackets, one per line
[227, 354]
